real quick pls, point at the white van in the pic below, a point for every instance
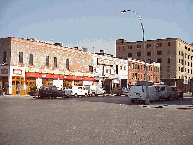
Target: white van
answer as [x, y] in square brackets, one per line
[79, 91]
[166, 92]
[138, 93]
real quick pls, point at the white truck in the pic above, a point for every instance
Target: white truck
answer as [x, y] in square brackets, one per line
[79, 91]
[95, 90]
[138, 93]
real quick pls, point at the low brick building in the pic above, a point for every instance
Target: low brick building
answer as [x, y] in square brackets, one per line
[28, 62]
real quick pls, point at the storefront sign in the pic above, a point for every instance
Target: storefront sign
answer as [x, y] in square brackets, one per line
[17, 71]
[4, 71]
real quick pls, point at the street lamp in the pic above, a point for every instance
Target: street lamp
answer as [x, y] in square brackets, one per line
[147, 101]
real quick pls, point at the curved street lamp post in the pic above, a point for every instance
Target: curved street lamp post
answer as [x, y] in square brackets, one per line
[147, 101]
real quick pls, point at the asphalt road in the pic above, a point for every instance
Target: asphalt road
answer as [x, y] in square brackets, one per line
[94, 120]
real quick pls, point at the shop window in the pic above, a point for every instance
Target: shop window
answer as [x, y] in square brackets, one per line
[47, 61]
[31, 59]
[67, 64]
[20, 57]
[5, 56]
[55, 62]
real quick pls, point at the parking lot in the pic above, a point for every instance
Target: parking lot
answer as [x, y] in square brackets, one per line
[94, 120]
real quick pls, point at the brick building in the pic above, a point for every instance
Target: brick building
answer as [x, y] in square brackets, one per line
[28, 62]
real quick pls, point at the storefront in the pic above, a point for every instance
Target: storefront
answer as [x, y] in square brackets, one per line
[4, 71]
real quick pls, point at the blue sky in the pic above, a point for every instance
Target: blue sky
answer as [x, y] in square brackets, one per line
[98, 23]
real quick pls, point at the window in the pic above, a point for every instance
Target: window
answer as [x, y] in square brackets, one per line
[31, 59]
[120, 67]
[159, 52]
[159, 45]
[91, 68]
[185, 55]
[188, 49]
[148, 45]
[160, 68]
[179, 52]
[130, 47]
[182, 53]
[185, 62]
[123, 55]
[188, 63]
[138, 46]
[159, 60]
[129, 54]
[47, 60]
[179, 61]
[185, 70]
[191, 64]
[182, 69]
[5, 56]
[185, 47]
[168, 52]
[138, 54]
[191, 71]
[116, 69]
[191, 57]
[106, 70]
[168, 68]
[188, 70]
[55, 62]
[168, 60]
[20, 57]
[149, 53]
[182, 62]
[188, 56]
[67, 64]
[124, 67]
[179, 69]
[168, 43]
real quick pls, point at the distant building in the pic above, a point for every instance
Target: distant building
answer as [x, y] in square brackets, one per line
[174, 55]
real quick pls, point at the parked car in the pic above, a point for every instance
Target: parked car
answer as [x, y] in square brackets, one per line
[166, 92]
[49, 92]
[79, 91]
[125, 91]
[138, 93]
[95, 90]
[68, 91]
[118, 91]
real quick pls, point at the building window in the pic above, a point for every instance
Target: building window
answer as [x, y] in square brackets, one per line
[182, 53]
[188, 70]
[55, 62]
[138, 54]
[185, 47]
[160, 68]
[123, 55]
[148, 45]
[91, 68]
[191, 64]
[129, 54]
[20, 57]
[182, 69]
[130, 47]
[124, 67]
[67, 64]
[179, 52]
[188, 49]
[116, 69]
[47, 60]
[179, 69]
[138, 46]
[185, 70]
[191, 71]
[168, 60]
[5, 57]
[159, 44]
[168, 68]
[168, 43]
[188, 56]
[159, 60]
[185, 62]
[185, 55]
[149, 53]
[191, 57]
[182, 62]
[179, 61]
[159, 52]
[188, 63]
[31, 59]
[106, 70]
[168, 52]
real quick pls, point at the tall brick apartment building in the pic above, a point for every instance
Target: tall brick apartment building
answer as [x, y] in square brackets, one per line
[174, 55]
[25, 63]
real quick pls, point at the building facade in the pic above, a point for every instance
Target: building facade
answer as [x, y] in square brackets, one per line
[25, 63]
[174, 55]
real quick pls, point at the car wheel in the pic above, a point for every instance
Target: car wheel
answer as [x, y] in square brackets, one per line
[86, 95]
[76, 95]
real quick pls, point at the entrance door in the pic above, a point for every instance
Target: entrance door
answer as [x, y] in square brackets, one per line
[4, 84]
[18, 85]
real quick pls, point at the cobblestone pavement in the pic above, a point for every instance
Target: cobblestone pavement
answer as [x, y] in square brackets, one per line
[95, 120]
